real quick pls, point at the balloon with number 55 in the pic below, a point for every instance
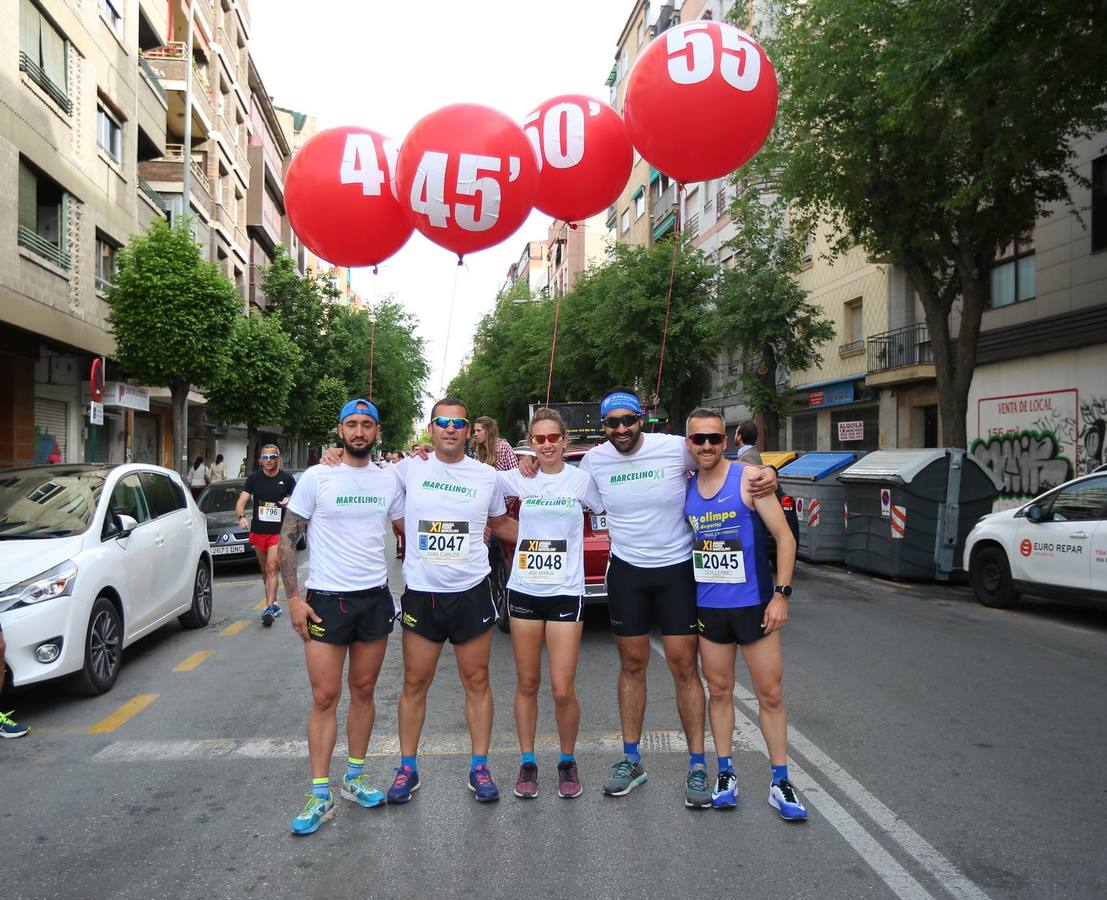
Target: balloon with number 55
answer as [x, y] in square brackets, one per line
[338, 193]
[700, 100]
[466, 176]
[585, 153]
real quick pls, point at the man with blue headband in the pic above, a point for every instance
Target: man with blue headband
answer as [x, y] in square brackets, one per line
[347, 609]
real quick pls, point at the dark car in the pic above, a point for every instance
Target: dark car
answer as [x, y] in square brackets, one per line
[227, 539]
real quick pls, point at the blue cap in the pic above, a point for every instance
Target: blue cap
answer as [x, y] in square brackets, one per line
[620, 400]
[359, 407]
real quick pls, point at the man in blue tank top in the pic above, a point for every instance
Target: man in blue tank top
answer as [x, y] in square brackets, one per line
[737, 603]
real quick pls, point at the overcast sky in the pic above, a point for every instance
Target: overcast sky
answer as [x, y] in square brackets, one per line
[386, 65]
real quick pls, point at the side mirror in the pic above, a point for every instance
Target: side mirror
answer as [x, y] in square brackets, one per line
[125, 524]
[1034, 513]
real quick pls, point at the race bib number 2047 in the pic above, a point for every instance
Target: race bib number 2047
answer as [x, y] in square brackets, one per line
[443, 542]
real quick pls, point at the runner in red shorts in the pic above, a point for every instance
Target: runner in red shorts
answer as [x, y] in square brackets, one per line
[270, 487]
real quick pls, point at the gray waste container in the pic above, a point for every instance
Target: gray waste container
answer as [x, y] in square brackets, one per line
[909, 511]
[812, 481]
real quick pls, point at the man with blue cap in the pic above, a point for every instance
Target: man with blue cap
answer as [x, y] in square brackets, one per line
[347, 609]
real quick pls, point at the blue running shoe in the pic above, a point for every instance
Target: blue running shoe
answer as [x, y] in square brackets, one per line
[725, 795]
[404, 785]
[783, 796]
[9, 728]
[316, 812]
[482, 785]
[269, 614]
[361, 791]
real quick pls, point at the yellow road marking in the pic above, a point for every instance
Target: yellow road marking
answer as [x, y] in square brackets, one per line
[261, 604]
[192, 662]
[234, 628]
[892, 583]
[124, 714]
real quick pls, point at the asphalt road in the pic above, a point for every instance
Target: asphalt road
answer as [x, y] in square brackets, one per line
[944, 750]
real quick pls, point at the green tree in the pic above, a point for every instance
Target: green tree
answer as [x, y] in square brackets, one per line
[763, 312]
[171, 313]
[253, 385]
[935, 133]
[319, 424]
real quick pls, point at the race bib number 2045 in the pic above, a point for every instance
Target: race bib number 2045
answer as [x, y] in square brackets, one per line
[718, 562]
[443, 542]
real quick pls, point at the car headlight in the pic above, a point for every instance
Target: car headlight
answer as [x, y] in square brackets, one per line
[58, 582]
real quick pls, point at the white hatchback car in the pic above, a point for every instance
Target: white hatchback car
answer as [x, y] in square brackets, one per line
[1054, 545]
[92, 558]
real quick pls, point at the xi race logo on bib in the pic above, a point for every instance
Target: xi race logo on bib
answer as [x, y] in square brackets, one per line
[443, 542]
[543, 562]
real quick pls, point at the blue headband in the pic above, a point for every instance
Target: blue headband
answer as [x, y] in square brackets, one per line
[620, 400]
[359, 407]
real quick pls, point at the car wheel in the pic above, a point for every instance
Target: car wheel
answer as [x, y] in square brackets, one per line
[990, 574]
[103, 650]
[200, 613]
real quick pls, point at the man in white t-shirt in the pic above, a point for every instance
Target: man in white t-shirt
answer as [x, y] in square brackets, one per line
[449, 498]
[642, 479]
[347, 609]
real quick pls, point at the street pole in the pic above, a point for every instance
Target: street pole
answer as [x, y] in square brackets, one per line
[186, 179]
[372, 349]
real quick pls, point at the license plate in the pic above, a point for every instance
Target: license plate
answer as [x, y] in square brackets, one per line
[226, 551]
[599, 523]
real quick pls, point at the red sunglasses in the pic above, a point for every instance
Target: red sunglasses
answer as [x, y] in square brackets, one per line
[540, 439]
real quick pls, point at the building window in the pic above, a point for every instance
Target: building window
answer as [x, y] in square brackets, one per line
[43, 54]
[626, 220]
[109, 11]
[1099, 203]
[106, 251]
[1013, 276]
[109, 133]
[42, 208]
[855, 325]
[805, 432]
[639, 204]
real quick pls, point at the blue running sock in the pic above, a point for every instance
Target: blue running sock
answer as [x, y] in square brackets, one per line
[566, 757]
[354, 767]
[477, 760]
[631, 751]
[724, 763]
[780, 773]
[528, 758]
[697, 759]
[321, 788]
[408, 761]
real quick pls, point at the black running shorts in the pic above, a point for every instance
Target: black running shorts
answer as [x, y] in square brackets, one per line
[562, 608]
[737, 625]
[457, 617]
[350, 616]
[638, 598]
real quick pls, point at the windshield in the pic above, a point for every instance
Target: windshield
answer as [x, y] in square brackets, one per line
[43, 503]
[221, 496]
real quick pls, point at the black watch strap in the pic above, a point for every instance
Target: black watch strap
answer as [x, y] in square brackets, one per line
[785, 590]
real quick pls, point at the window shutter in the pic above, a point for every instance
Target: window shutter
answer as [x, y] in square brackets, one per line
[51, 418]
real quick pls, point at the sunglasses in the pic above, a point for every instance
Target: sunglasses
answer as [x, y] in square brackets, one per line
[270, 456]
[713, 439]
[446, 422]
[615, 421]
[540, 439]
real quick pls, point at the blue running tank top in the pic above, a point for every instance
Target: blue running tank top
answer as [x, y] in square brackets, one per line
[728, 550]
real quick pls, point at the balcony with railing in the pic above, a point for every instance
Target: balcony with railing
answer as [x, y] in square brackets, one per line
[153, 196]
[43, 247]
[169, 171]
[56, 92]
[168, 66]
[665, 212]
[900, 356]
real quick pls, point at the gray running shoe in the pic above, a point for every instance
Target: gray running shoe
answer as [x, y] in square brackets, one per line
[625, 777]
[696, 792]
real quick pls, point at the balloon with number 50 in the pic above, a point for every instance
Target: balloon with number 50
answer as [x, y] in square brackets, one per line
[585, 153]
[466, 176]
[700, 100]
[338, 193]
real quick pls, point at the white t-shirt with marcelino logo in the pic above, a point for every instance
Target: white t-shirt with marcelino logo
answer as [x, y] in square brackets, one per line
[348, 510]
[446, 506]
[549, 556]
[643, 493]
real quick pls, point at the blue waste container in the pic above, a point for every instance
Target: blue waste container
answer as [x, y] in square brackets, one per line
[812, 481]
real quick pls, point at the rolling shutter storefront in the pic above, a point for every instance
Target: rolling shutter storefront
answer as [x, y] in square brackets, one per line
[51, 420]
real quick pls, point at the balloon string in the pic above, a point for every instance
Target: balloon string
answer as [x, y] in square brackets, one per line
[373, 332]
[668, 307]
[553, 347]
[449, 328]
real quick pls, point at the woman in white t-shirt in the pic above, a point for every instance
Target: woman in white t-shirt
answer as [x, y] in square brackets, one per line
[546, 594]
[198, 476]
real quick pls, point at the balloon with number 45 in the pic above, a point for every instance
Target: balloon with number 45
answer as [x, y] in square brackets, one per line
[585, 153]
[338, 193]
[466, 176]
[700, 101]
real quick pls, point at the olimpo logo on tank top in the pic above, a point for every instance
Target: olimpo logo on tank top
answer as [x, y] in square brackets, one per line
[638, 477]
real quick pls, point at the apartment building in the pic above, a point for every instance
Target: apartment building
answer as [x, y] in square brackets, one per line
[529, 269]
[572, 249]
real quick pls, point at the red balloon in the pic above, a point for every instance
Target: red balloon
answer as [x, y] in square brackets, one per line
[338, 193]
[585, 153]
[466, 176]
[700, 101]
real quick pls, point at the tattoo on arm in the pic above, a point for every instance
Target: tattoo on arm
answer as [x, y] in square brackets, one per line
[291, 531]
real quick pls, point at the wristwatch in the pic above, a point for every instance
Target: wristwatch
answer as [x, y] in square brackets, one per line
[785, 590]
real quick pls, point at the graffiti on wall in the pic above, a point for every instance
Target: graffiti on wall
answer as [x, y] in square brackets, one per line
[1028, 462]
[1093, 427]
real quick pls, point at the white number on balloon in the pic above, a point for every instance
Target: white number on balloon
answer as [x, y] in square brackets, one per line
[360, 164]
[549, 145]
[692, 57]
[428, 189]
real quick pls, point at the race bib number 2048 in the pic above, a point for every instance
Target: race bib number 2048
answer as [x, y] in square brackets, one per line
[542, 561]
[443, 542]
